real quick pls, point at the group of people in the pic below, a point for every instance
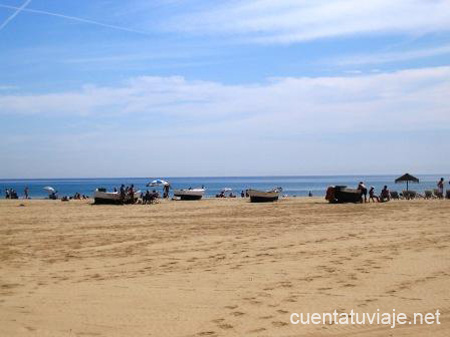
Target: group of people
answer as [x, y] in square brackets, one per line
[11, 193]
[222, 194]
[78, 196]
[384, 196]
[150, 197]
[126, 192]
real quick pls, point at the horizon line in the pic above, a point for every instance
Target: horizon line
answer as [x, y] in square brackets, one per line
[233, 176]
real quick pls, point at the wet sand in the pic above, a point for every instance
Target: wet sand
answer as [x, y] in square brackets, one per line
[220, 267]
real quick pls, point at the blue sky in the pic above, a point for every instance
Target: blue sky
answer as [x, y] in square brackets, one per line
[255, 87]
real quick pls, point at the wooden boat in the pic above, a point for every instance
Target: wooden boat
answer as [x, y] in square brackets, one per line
[342, 194]
[101, 196]
[263, 196]
[189, 193]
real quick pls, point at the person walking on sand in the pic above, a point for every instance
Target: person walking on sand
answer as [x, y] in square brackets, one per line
[25, 191]
[372, 195]
[440, 186]
[363, 189]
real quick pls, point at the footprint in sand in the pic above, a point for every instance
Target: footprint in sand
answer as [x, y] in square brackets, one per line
[349, 285]
[279, 324]
[207, 333]
[291, 299]
[257, 330]
[324, 288]
[225, 326]
[237, 313]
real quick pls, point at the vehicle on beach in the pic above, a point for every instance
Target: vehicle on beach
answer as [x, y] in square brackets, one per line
[101, 196]
[264, 196]
[342, 194]
[189, 193]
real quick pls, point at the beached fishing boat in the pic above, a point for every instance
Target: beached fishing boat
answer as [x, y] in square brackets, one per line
[189, 193]
[342, 194]
[101, 196]
[264, 196]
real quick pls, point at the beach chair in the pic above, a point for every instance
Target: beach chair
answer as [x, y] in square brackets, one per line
[394, 195]
[409, 195]
[438, 194]
[429, 194]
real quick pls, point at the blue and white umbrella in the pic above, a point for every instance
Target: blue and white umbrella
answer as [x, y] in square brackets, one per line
[49, 189]
[158, 182]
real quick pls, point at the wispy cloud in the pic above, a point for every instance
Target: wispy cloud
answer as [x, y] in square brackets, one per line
[379, 58]
[68, 17]
[290, 21]
[12, 16]
[409, 99]
[8, 87]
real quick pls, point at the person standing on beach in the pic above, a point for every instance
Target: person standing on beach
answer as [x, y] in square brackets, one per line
[166, 191]
[131, 193]
[440, 186]
[25, 191]
[363, 189]
[122, 192]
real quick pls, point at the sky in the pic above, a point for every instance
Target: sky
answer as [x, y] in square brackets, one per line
[112, 88]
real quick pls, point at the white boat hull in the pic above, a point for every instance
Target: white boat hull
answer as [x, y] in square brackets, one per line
[263, 196]
[113, 198]
[189, 194]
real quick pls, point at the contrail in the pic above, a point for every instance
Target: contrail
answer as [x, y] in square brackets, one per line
[22, 8]
[18, 10]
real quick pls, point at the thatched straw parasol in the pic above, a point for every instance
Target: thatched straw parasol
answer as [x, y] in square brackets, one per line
[408, 178]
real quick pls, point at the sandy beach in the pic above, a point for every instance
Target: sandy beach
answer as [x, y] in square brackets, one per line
[220, 267]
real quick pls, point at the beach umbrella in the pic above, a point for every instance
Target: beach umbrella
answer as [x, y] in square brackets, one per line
[49, 189]
[406, 178]
[158, 182]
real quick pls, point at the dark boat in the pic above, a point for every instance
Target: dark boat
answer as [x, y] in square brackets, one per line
[342, 194]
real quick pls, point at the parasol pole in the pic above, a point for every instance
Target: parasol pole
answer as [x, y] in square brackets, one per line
[407, 185]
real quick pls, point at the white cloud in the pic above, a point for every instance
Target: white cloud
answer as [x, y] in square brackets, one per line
[409, 99]
[8, 87]
[378, 58]
[289, 21]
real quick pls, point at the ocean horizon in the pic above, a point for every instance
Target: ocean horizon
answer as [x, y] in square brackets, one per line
[300, 185]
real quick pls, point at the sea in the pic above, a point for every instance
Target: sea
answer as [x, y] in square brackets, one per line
[292, 185]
